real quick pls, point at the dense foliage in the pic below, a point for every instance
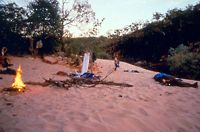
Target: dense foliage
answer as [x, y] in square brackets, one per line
[12, 24]
[92, 44]
[45, 20]
[154, 39]
[183, 62]
[148, 43]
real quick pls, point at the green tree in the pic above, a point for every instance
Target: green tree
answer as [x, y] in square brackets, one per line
[157, 16]
[183, 62]
[76, 14]
[44, 18]
[12, 27]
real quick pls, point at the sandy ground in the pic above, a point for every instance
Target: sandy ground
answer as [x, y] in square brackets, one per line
[145, 107]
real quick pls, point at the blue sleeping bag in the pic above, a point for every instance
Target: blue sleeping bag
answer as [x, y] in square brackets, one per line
[88, 75]
[160, 76]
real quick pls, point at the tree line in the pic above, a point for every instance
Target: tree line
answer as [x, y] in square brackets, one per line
[153, 41]
[155, 38]
[46, 20]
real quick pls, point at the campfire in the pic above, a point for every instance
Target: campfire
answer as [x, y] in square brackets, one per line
[18, 83]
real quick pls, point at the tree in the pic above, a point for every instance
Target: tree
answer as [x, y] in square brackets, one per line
[157, 16]
[183, 62]
[80, 12]
[12, 26]
[77, 14]
[12, 18]
[44, 18]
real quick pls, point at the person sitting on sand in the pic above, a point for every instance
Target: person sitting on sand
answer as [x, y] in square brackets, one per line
[5, 63]
[169, 80]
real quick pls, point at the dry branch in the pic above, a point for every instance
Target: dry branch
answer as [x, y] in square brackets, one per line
[77, 82]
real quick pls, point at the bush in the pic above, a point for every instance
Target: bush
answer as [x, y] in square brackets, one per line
[77, 46]
[103, 55]
[184, 63]
[74, 48]
[100, 52]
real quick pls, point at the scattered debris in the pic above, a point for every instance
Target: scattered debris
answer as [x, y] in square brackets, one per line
[168, 93]
[120, 96]
[9, 104]
[50, 60]
[43, 84]
[61, 73]
[136, 71]
[14, 115]
[1, 130]
[10, 89]
[76, 82]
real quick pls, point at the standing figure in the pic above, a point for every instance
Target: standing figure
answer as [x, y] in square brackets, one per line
[93, 58]
[39, 46]
[3, 51]
[116, 62]
[31, 46]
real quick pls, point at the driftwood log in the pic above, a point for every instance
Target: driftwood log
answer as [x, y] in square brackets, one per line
[76, 82]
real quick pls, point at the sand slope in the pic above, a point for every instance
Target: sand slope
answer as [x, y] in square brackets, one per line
[145, 107]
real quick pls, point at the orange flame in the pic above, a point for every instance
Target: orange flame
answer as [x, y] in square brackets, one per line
[18, 83]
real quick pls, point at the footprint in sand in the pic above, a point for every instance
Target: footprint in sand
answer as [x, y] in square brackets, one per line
[78, 116]
[1, 129]
[143, 112]
[49, 117]
[180, 129]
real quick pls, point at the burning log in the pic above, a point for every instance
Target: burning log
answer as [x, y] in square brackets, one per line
[18, 83]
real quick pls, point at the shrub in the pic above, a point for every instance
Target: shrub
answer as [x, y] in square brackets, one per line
[184, 63]
[73, 48]
[103, 55]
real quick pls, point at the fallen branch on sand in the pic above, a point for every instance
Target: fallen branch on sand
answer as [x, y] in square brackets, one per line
[76, 82]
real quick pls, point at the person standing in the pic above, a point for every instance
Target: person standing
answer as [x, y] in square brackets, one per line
[39, 48]
[93, 60]
[31, 46]
[116, 62]
[3, 51]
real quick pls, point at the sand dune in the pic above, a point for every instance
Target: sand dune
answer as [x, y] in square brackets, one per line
[145, 107]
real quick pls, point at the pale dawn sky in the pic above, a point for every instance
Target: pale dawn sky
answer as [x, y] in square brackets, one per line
[120, 13]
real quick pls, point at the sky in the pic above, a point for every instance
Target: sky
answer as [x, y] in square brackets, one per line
[121, 13]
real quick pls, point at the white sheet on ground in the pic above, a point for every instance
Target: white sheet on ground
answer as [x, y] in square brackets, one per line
[85, 65]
